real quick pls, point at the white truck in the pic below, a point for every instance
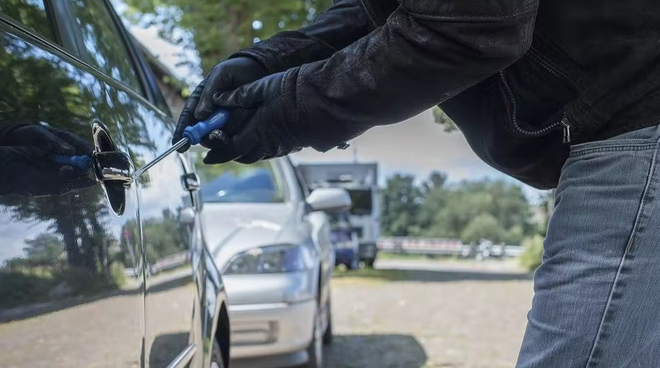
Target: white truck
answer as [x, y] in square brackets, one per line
[361, 182]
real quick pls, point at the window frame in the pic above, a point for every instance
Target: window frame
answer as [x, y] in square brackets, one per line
[52, 22]
[145, 74]
[68, 51]
[70, 29]
[68, 40]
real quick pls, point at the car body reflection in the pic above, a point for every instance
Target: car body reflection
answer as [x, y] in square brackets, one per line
[93, 273]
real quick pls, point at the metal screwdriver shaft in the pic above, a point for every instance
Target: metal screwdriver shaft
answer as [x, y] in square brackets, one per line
[192, 134]
[160, 157]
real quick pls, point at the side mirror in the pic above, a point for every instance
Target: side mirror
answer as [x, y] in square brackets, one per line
[329, 200]
[187, 216]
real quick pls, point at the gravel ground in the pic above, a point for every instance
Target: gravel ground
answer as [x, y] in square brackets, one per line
[414, 314]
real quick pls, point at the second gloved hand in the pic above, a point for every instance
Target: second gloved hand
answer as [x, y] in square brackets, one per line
[226, 76]
[261, 123]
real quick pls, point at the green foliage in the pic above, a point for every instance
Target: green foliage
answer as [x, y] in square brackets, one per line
[533, 252]
[166, 237]
[514, 235]
[21, 285]
[445, 121]
[401, 202]
[493, 210]
[218, 28]
[30, 14]
[484, 226]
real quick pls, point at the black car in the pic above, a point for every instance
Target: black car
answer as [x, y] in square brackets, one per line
[98, 268]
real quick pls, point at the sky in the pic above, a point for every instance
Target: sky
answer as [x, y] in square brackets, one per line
[416, 146]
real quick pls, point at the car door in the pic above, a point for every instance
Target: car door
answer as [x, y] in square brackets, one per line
[166, 206]
[71, 256]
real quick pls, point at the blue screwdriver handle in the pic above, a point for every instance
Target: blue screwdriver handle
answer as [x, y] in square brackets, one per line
[195, 133]
[81, 162]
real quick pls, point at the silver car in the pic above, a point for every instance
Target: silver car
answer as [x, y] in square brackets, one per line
[272, 243]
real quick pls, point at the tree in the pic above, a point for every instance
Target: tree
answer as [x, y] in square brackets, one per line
[401, 201]
[469, 210]
[44, 250]
[514, 236]
[533, 252]
[445, 121]
[484, 226]
[218, 28]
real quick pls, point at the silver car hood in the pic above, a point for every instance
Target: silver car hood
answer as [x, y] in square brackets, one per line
[231, 228]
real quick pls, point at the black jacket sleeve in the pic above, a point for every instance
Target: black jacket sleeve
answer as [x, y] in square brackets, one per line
[339, 26]
[425, 53]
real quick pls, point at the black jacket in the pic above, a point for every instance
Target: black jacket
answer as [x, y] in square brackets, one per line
[523, 79]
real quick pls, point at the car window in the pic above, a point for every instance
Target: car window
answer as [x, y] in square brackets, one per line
[31, 13]
[361, 200]
[236, 183]
[103, 42]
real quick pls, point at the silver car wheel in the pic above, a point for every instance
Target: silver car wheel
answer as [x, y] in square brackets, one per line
[214, 365]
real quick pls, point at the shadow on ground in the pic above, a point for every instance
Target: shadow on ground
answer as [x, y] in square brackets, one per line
[374, 351]
[166, 347]
[158, 284]
[392, 275]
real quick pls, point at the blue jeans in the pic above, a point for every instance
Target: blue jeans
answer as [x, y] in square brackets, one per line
[597, 293]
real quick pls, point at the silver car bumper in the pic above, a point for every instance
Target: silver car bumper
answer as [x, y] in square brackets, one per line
[271, 314]
[270, 329]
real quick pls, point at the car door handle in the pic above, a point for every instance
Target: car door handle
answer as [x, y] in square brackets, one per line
[113, 166]
[190, 182]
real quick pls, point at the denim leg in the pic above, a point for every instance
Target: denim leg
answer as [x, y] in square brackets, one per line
[597, 293]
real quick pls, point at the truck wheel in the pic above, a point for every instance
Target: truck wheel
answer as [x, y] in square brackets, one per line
[216, 356]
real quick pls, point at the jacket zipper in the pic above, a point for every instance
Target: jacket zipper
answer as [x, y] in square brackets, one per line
[564, 122]
[566, 126]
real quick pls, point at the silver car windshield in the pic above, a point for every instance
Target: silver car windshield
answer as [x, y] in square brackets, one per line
[237, 183]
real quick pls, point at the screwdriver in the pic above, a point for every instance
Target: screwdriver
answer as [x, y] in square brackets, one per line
[192, 134]
[81, 162]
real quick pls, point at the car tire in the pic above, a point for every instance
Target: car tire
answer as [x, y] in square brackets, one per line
[315, 348]
[216, 356]
[328, 335]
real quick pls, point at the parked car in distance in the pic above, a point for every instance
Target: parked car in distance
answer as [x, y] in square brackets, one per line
[272, 243]
[345, 240]
[97, 268]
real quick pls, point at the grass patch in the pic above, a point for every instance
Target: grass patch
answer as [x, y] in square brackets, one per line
[370, 274]
[406, 256]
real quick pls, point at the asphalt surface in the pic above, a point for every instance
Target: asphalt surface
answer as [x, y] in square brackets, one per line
[431, 314]
[408, 314]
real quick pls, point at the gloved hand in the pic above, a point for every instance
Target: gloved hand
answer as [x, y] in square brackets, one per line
[226, 76]
[260, 122]
[48, 139]
[27, 161]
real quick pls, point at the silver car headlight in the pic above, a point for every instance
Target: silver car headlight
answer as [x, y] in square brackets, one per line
[279, 258]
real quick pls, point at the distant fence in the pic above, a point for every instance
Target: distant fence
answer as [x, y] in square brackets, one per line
[446, 247]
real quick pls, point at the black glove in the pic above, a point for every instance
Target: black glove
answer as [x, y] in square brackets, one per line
[260, 124]
[55, 141]
[226, 76]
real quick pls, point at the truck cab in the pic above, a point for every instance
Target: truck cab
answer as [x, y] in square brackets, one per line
[361, 182]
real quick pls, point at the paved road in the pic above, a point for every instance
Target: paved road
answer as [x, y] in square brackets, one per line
[414, 314]
[101, 332]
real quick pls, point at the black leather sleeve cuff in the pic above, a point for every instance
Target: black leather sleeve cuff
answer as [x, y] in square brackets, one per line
[287, 50]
